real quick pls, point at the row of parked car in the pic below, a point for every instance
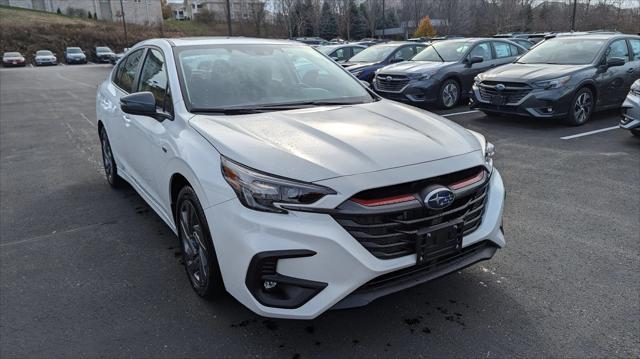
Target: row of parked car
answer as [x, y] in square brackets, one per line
[71, 55]
[566, 76]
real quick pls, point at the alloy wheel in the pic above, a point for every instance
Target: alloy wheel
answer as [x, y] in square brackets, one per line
[194, 250]
[582, 107]
[107, 157]
[450, 94]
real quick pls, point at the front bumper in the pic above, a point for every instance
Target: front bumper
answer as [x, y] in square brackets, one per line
[46, 62]
[538, 103]
[415, 92]
[631, 112]
[12, 63]
[77, 60]
[339, 265]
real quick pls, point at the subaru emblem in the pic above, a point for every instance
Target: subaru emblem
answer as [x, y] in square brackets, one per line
[439, 198]
[500, 87]
[389, 78]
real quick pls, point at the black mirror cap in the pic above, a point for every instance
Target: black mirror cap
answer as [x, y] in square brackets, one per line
[475, 59]
[615, 61]
[139, 103]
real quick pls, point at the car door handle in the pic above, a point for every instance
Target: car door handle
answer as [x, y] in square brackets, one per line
[630, 70]
[127, 120]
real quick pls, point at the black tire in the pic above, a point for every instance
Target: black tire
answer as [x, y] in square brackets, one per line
[198, 254]
[449, 94]
[109, 163]
[581, 107]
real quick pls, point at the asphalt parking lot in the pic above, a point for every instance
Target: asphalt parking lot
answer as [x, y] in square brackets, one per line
[90, 271]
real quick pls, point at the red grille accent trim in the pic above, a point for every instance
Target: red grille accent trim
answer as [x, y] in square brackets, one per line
[383, 201]
[469, 181]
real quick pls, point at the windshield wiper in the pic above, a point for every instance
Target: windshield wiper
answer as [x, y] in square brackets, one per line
[267, 108]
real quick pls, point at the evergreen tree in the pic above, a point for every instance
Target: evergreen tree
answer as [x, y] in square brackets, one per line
[95, 16]
[358, 24]
[309, 20]
[89, 15]
[58, 12]
[328, 22]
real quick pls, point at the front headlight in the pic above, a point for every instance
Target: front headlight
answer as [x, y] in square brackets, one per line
[488, 149]
[635, 87]
[553, 83]
[264, 192]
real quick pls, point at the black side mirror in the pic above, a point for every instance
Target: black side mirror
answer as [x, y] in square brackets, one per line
[142, 104]
[474, 60]
[615, 61]
[365, 84]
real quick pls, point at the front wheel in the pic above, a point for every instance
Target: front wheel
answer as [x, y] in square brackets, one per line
[449, 94]
[581, 107]
[198, 254]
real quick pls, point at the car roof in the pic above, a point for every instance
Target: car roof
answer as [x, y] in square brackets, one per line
[195, 41]
[597, 36]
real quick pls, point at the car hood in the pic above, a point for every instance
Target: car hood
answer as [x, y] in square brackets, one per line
[105, 54]
[530, 72]
[331, 141]
[45, 57]
[355, 66]
[412, 67]
[76, 55]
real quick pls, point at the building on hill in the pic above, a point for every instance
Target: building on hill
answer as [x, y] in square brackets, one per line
[240, 9]
[135, 11]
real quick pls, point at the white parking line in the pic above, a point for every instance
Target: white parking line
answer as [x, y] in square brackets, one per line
[459, 113]
[589, 133]
[88, 120]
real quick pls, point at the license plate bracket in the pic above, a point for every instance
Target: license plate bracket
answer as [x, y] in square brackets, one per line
[438, 241]
[498, 100]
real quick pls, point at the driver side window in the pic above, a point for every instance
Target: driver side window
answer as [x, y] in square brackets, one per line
[404, 54]
[618, 48]
[482, 50]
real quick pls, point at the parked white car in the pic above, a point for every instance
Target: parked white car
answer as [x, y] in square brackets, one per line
[45, 57]
[288, 182]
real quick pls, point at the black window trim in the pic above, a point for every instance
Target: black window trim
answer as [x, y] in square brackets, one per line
[167, 89]
[137, 76]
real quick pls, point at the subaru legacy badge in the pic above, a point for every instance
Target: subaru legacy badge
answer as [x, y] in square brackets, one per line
[439, 198]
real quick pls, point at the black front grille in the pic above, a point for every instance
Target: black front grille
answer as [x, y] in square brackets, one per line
[391, 83]
[513, 91]
[391, 231]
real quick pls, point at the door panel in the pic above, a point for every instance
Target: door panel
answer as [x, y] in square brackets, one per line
[483, 50]
[614, 79]
[122, 85]
[148, 136]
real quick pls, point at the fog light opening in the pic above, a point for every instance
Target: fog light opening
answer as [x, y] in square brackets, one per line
[269, 284]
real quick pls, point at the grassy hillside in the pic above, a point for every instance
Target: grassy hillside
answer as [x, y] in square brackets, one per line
[28, 31]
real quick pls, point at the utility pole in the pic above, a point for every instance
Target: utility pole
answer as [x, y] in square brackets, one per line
[229, 18]
[384, 20]
[124, 24]
[573, 17]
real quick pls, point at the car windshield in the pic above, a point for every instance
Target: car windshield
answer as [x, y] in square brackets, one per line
[223, 77]
[103, 49]
[326, 49]
[564, 51]
[73, 50]
[374, 53]
[447, 51]
[12, 54]
[44, 53]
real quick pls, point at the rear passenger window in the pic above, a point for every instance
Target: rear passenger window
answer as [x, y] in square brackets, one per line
[635, 49]
[502, 50]
[618, 48]
[153, 78]
[515, 50]
[127, 70]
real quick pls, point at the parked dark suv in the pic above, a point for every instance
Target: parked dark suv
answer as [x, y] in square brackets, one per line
[564, 77]
[366, 62]
[444, 71]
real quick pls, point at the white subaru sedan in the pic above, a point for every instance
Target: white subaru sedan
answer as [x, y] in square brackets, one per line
[289, 183]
